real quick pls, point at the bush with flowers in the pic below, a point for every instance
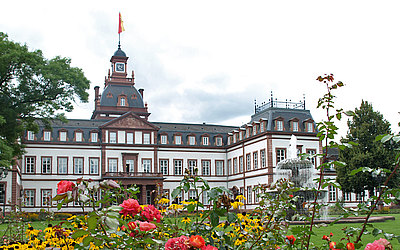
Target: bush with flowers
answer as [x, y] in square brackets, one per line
[219, 224]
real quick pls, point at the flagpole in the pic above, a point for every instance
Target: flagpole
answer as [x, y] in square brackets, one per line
[119, 40]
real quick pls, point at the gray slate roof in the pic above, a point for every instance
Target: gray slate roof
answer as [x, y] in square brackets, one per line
[116, 90]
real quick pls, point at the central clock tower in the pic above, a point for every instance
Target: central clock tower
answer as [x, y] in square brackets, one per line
[119, 63]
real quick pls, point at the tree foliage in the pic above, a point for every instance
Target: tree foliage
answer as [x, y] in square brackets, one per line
[33, 87]
[365, 125]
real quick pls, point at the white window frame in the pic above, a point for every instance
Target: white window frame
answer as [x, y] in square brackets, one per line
[78, 165]
[112, 165]
[310, 127]
[146, 165]
[62, 165]
[178, 139]
[279, 125]
[192, 140]
[94, 136]
[178, 165]
[78, 136]
[332, 193]
[295, 126]
[206, 167]
[192, 194]
[63, 135]
[192, 164]
[241, 164]
[30, 197]
[219, 167]
[280, 155]
[235, 165]
[131, 165]
[164, 139]
[30, 164]
[249, 195]
[248, 161]
[46, 165]
[30, 135]
[46, 135]
[262, 155]
[94, 165]
[205, 140]
[218, 141]
[46, 198]
[255, 159]
[146, 138]
[129, 138]
[164, 167]
[113, 137]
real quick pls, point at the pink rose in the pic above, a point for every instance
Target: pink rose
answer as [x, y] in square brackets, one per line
[150, 213]
[131, 207]
[374, 246]
[146, 226]
[383, 242]
[209, 247]
[132, 225]
[179, 243]
[65, 186]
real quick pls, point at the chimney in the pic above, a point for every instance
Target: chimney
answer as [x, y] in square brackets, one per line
[96, 96]
[141, 92]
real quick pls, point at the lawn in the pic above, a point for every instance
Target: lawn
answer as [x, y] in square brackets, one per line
[389, 226]
[35, 224]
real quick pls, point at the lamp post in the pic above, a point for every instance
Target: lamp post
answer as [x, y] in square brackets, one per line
[3, 175]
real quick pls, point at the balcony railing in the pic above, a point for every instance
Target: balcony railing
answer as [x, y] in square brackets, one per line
[133, 175]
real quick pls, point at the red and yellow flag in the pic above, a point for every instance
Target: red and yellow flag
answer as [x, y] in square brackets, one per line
[121, 24]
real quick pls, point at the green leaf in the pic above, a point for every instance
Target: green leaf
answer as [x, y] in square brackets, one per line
[87, 240]
[186, 187]
[79, 233]
[231, 217]
[350, 113]
[355, 171]
[177, 191]
[376, 232]
[112, 223]
[92, 222]
[214, 219]
[386, 138]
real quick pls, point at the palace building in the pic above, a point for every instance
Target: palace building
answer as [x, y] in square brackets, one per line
[120, 142]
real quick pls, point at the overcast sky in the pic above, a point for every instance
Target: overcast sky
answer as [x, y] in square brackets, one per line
[207, 61]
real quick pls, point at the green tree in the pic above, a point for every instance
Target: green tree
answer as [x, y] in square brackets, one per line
[364, 126]
[33, 87]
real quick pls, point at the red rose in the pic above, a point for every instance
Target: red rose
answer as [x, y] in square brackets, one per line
[132, 225]
[331, 234]
[146, 226]
[65, 186]
[197, 241]
[209, 247]
[131, 206]
[290, 195]
[350, 246]
[150, 213]
[332, 245]
[179, 243]
[325, 237]
[291, 239]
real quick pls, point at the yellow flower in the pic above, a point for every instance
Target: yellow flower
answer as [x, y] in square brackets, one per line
[175, 207]
[186, 220]
[163, 201]
[241, 197]
[221, 225]
[236, 204]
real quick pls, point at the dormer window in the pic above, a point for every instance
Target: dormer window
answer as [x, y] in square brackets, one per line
[30, 135]
[46, 135]
[205, 140]
[262, 127]
[218, 141]
[93, 136]
[63, 135]
[279, 125]
[192, 140]
[178, 140]
[255, 130]
[122, 101]
[310, 127]
[78, 136]
[164, 139]
[295, 126]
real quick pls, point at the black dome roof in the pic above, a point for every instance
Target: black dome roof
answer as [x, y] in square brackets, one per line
[119, 52]
[111, 93]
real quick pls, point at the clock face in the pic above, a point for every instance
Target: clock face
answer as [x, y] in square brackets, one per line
[120, 67]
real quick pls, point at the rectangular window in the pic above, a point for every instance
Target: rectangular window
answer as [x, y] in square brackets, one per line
[256, 193]
[280, 155]
[62, 165]
[332, 193]
[146, 163]
[279, 125]
[164, 167]
[178, 140]
[113, 165]
[46, 165]
[30, 197]
[113, 137]
[192, 140]
[138, 137]
[255, 159]
[255, 130]
[192, 195]
[46, 135]
[94, 165]
[30, 135]
[229, 167]
[129, 138]
[218, 141]
[219, 168]
[248, 162]
[148, 196]
[262, 127]
[93, 136]
[2, 193]
[205, 165]
[358, 197]
[146, 138]
[78, 136]
[163, 139]
[310, 127]
[46, 197]
[205, 140]
[30, 165]
[130, 165]
[241, 162]
[312, 158]
[78, 165]
[262, 155]
[206, 200]
[178, 199]
[295, 126]
[347, 196]
[249, 195]
[235, 166]
[178, 167]
[192, 164]
[63, 136]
